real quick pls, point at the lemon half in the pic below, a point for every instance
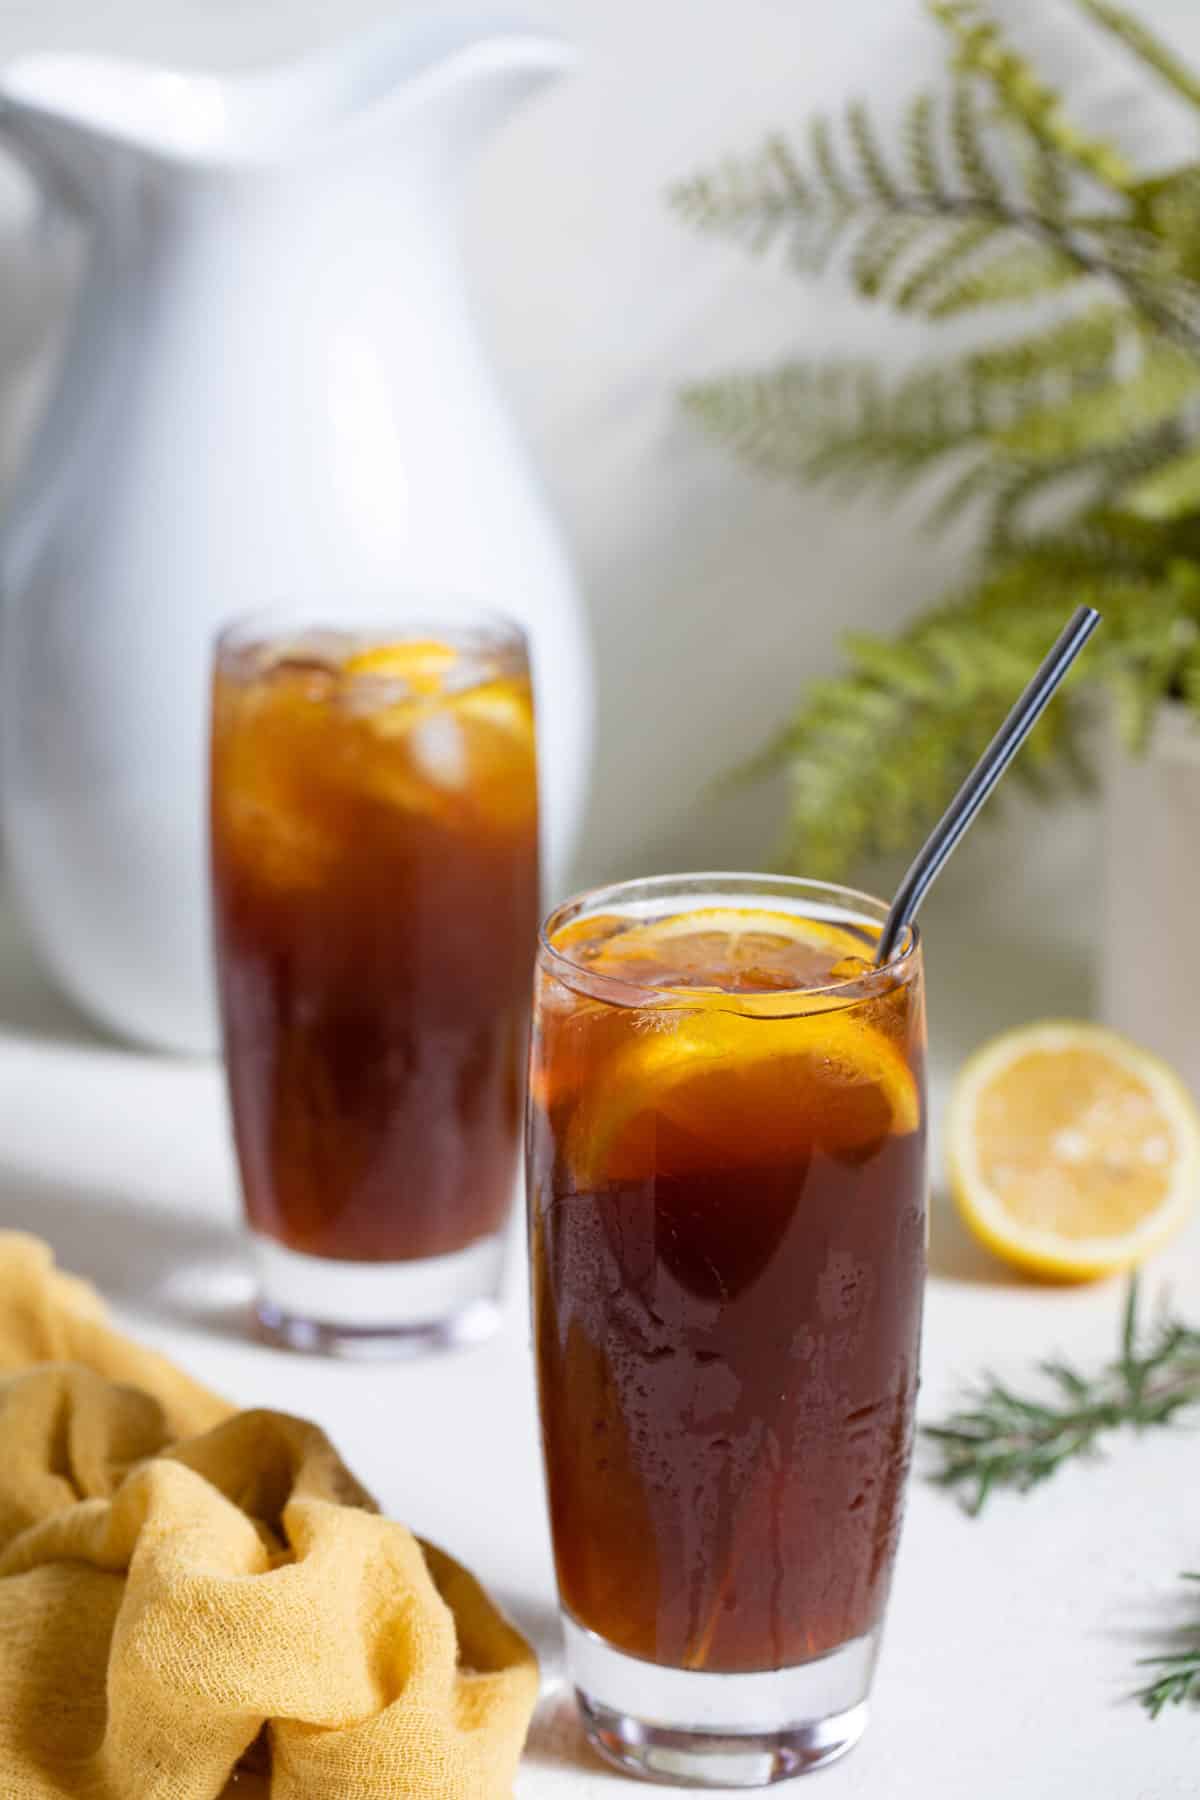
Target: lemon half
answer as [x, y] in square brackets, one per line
[1072, 1152]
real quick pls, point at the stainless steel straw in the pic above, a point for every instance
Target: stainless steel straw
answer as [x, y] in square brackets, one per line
[930, 859]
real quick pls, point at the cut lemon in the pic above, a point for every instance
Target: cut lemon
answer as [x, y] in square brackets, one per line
[472, 750]
[707, 1085]
[734, 950]
[421, 664]
[503, 705]
[1072, 1152]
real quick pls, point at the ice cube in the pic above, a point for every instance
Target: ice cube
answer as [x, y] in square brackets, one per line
[439, 750]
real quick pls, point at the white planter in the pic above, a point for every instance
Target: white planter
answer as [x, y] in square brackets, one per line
[1149, 978]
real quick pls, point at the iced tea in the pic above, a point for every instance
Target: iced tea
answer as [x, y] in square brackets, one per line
[727, 1219]
[375, 869]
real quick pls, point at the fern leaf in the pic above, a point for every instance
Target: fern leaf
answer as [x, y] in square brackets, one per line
[1156, 654]
[899, 666]
[970, 152]
[826, 164]
[882, 245]
[874, 755]
[920, 138]
[872, 766]
[980, 483]
[1046, 183]
[787, 184]
[1020, 271]
[766, 198]
[1100, 549]
[1172, 491]
[837, 424]
[1075, 349]
[982, 50]
[872, 165]
[948, 263]
[749, 196]
[1077, 440]
[1149, 49]
[1051, 488]
[1112, 415]
[1171, 205]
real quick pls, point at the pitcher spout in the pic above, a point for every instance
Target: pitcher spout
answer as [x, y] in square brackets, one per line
[467, 72]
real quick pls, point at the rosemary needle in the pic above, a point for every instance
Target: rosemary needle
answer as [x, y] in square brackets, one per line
[999, 1438]
[1180, 1677]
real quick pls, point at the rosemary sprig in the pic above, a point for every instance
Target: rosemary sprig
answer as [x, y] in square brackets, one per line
[999, 1438]
[1180, 1679]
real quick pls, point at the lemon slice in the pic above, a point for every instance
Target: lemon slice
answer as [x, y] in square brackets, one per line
[420, 663]
[503, 705]
[731, 934]
[710, 1085]
[1072, 1152]
[746, 953]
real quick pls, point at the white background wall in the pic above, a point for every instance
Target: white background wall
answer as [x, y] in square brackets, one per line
[713, 595]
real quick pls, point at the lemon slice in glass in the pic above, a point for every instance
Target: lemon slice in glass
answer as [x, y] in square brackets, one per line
[709, 1074]
[421, 664]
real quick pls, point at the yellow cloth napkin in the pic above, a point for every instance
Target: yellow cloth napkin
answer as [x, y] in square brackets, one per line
[197, 1604]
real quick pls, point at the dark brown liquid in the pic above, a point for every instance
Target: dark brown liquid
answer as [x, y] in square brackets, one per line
[727, 1297]
[375, 931]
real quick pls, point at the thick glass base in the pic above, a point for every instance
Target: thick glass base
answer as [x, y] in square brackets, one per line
[696, 1729]
[377, 1310]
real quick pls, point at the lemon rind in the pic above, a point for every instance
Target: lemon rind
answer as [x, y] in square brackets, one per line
[1046, 1253]
[648, 1067]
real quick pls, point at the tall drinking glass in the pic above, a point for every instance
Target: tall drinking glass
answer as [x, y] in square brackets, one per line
[727, 1231]
[375, 880]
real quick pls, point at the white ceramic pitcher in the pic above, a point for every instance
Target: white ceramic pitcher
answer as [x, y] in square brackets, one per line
[272, 391]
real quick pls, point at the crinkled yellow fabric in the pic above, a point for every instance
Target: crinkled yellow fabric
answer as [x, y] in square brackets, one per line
[198, 1604]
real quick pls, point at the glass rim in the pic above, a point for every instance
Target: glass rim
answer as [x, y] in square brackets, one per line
[858, 905]
[414, 616]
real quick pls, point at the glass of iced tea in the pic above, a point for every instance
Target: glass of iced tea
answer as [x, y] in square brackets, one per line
[726, 1173]
[375, 881]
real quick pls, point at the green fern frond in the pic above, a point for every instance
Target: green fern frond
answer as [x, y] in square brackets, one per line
[841, 423]
[947, 266]
[875, 755]
[1076, 349]
[834, 181]
[970, 150]
[1071, 491]
[1015, 274]
[1149, 49]
[838, 423]
[882, 247]
[1045, 181]
[1168, 209]
[876, 175]
[1171, 491]
[961, 250]
[982, 50]
[1158, 650]
[754, 197]
[1011, 500]
[1076, 444]
[871, 767]
[920, 139]
[1112, 415]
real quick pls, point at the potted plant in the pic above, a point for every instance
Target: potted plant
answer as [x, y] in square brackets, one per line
[1074, 439]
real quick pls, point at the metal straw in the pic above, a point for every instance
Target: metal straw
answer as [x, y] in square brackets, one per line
[930, 859]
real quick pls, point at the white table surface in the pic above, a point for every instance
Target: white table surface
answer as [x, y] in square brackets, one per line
[1011, 1640]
